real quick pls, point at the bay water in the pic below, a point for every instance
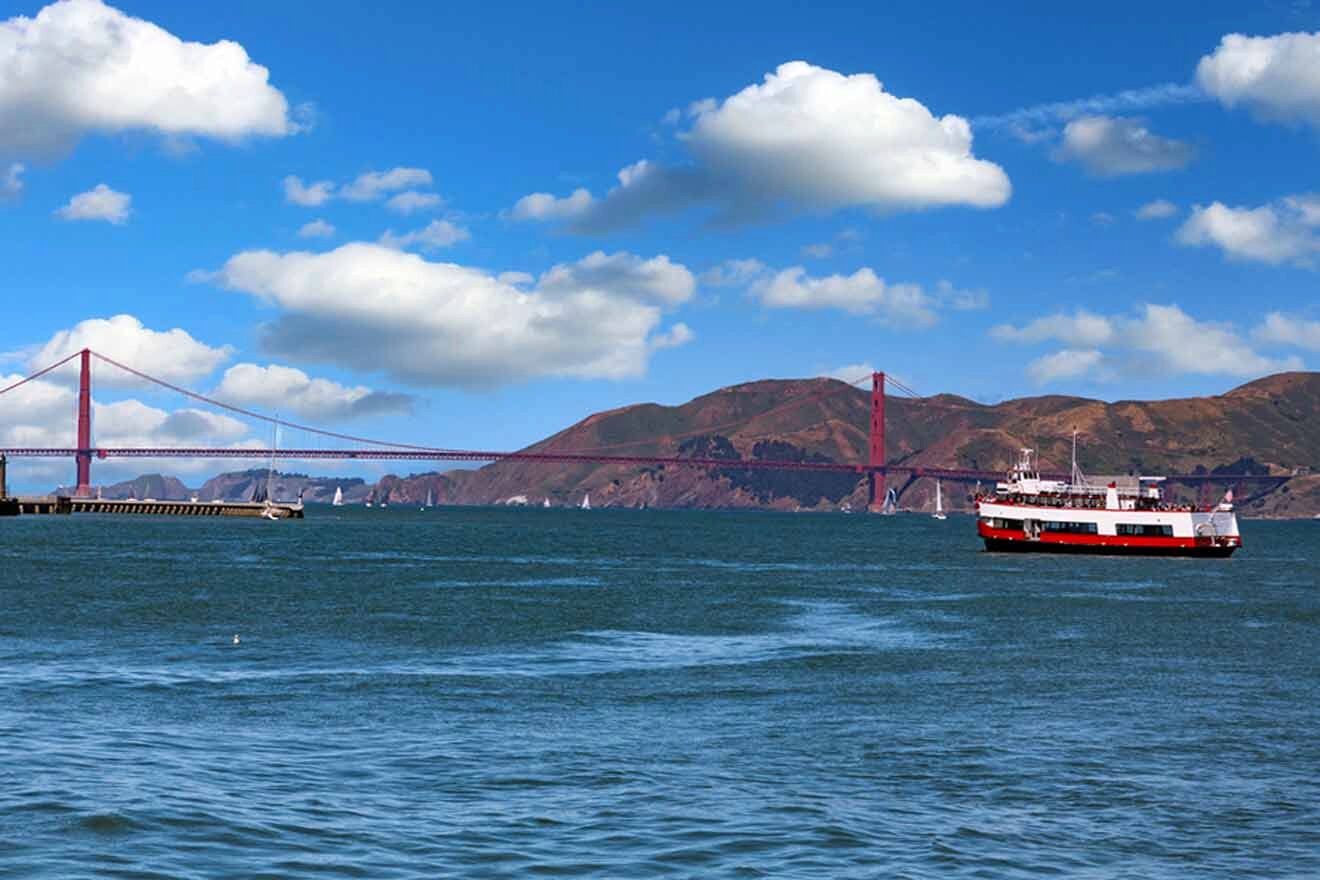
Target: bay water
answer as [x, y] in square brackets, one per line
[470, 692]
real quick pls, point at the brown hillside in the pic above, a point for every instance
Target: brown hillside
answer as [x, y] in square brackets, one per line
[1272, 422]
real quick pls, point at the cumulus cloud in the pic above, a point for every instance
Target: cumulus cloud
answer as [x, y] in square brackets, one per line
[679, 334]
[11, 182]
[370, 186]
[374, 185]
[1276, 78]
[1285, 231]
[806, 137]
[80, 66]
[850, 372]
[373, 308]
[1082, 329]
[172, 355]
[309, 195]
[435, 235]
[1069, 363]
[1109, 146]
[544, 206]
[962, 300]
[276, 388]
[1288, 330]
[657, 279]
[1159, 209]
[862, 293]
[411, 201]
[98, 203]
[1156, 339]
[733, 273]
[317, 228]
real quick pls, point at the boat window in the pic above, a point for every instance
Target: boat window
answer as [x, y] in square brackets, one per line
[1144, 530]
[1071, 528]
[996, 522]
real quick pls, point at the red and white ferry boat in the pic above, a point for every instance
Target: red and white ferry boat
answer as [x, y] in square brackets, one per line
[1027, 513]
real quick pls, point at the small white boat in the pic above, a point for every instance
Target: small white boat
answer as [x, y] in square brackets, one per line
[339, 497]
[430, 498]
[891, 503]
[939, 503]
[546, 503]
[586, 501]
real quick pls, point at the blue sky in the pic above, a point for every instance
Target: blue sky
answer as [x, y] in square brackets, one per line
[995, 205]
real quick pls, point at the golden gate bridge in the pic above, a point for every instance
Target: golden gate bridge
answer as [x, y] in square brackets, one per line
[875, 469]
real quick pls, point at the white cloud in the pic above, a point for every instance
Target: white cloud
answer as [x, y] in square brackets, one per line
[276, 388]
[412, 200]
[1155, 340]
[851, 372]
[1110, 146]
[1069, 363]
[11, 183]
[679, 334]
[862, 293]
[375, 185]
[1281, 329]
[171, 355]
[80, 66]
[435, 235]
[1082, 329]
[373, 308]
[1285, 231]
[820, 250]
[733, 273]
[657, 279]
[309, 195]
[1102, 218]
[317, 228]
[1276, 78]
[98, 203]
[1034, 123]
[949, 296]
[370, 186]
[1159, 209]
[807, 138]
[544, 206]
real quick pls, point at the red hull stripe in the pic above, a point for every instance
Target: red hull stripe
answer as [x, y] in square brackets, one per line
[1115, 541]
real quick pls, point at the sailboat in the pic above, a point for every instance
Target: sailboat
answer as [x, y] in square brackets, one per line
[339, 497]
[891, 503]
[371, 498]
[939, 502]
[586, 501]
[545, 503]
[430, 500]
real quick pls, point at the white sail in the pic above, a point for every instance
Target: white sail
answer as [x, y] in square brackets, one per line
[586, 501]
[339, 497]
[939, 502]
[545, 503]
[891, 503]
[430, 498]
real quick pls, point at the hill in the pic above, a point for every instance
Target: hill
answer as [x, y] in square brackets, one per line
[1271, 425]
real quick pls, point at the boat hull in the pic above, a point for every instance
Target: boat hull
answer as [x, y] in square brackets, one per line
[998, 542]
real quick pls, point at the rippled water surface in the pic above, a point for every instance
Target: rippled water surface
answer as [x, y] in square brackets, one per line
[486, 693]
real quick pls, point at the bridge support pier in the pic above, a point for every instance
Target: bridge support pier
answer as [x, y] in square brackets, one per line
[83, 457]
[875, 479]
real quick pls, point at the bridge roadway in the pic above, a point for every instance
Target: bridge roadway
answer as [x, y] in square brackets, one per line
[425, 454]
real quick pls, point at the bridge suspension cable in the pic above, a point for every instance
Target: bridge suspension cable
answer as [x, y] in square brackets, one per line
[271, 420]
